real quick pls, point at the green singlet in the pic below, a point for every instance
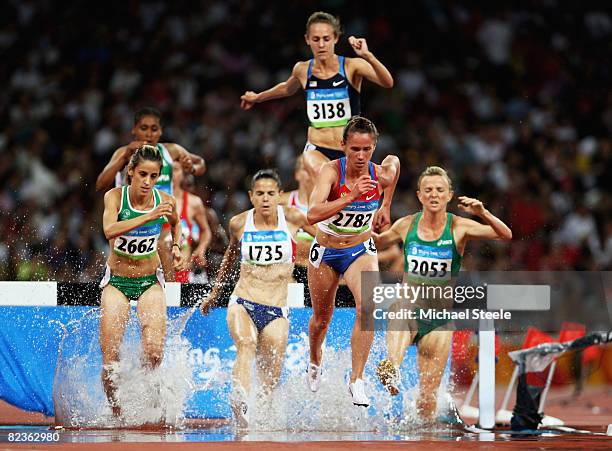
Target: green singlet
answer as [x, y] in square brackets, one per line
[431, 263]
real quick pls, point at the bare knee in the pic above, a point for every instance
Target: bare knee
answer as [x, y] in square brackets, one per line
[246, 345]
[321, 321]
[109, 346]
[153, 347]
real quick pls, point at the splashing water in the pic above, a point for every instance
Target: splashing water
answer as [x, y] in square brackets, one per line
[146, 396]
[292, 407]
[189, 377]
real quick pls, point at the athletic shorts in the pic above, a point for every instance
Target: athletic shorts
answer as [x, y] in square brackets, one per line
[424, 326]
[339, 259]
[332, 154]
[133, 287]
[261, 314]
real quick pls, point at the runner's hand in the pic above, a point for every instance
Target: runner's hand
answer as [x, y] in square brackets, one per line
[131, 148]
[186, 163]
[471, 205]
[382, 219]
[363, 185]
[207, 304]
[198, 261]
[247, 100]
[163, 209]
[360, 46]
[178, 260]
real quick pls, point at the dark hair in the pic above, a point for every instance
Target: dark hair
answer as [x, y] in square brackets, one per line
[359, 124]
[322, 17]
[145, 152]
[266, 174]
[146, 111]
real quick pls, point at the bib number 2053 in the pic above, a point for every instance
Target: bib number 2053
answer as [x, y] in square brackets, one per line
[427, 268]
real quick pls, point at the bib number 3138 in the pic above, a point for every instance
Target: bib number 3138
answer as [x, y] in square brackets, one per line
[328, 110]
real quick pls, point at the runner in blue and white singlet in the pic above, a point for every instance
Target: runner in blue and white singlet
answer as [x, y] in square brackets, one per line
[263, 238]
[330, 102]
[332, 84]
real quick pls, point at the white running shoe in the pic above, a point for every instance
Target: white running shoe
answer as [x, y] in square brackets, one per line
[313, 376]
[240, 407]
[357, 391]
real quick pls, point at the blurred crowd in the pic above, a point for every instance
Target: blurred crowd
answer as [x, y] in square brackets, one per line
[512, 98]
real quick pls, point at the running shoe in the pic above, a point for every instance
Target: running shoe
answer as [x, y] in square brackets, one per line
[313, 376]
[240, 407]
[357, 391]
[389, 376]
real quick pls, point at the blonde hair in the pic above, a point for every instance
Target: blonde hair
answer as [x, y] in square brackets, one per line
[435, 170]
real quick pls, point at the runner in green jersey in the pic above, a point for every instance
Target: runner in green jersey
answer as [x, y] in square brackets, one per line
[147, 129]
[434, 243]
[132, 222]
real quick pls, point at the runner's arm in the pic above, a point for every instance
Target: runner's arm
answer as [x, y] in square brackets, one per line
[395, 234]
[173, 219]
[298, 218]
[225, 270]
[388, 177]
[283, 89]
[113, 227]
[494, 229]
[318, 206]
[368, 65]
[205, 232]
[120, 158]
[191, 163]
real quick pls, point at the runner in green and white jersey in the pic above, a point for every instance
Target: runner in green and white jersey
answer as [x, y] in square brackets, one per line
[434, 243]
[147, 129]
[132, 222]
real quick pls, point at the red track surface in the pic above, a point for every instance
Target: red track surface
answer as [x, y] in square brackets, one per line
[593, 409]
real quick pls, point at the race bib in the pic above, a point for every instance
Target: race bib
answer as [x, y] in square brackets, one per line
[138, 243]
[428, 263]
[351, 222]
[328, 108]
[266, 247]
[136, 247]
